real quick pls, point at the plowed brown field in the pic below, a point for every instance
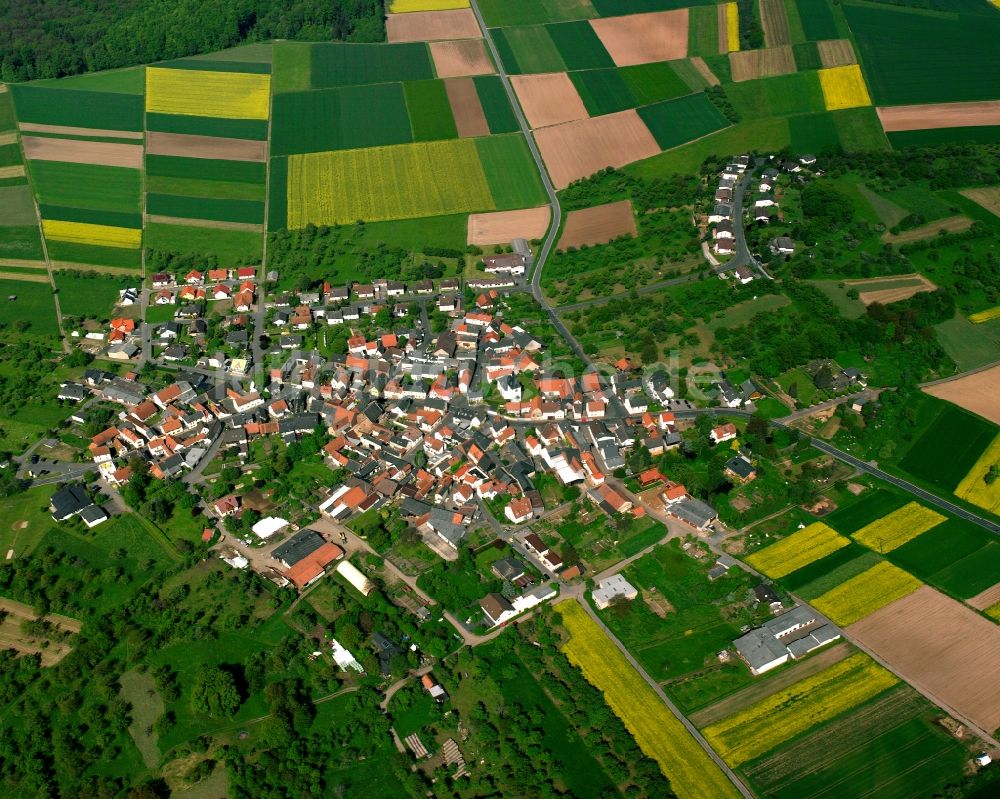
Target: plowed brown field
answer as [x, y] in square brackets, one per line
[598, 225]
[979, 393]
[548, 99]
[466, 108]
[426, 26]
[501, 227]
[204, 147]
[460, 59]
[82, 152]
[940, 115]
[752, 64]
[644, 38]
[836, 53]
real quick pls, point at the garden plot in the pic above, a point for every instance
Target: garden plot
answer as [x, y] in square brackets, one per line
[940, 115]
[644, 38]
[461, 59]
[942, 648]
[500, 227]
[977, 393]
[548, 99]
[426, 26]
[598, 225]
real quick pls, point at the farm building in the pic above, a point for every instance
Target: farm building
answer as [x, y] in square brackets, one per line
[610, 589]
[787, 637]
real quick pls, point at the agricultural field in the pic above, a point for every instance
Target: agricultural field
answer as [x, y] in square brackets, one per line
[675, 122]
[657, 731]
[20, 236]
[798, 550]
[89, 294]
[898, 528]
[975, 393]
[866, 593]
[980, 486]
[33, 303]
[949, 446]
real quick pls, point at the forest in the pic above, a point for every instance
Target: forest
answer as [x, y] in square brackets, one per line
[53, 38]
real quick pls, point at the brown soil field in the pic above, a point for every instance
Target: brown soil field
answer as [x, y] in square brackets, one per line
[16, 171]
[548, 99]
[940, 115]
[426, 26]
[778, 682]
[23, 263]
[751, 64]
[461, 59]
[39, 278]
[941, 648]
[579, 149]
[985, 599]
[82, 152]
[989, 198]
[10, 137]
[953, 224]
[205, 147]
[3, 88]
[979, 393]
[775, 23]
[723, 25]
[699, 63]
[893, 291]
[466, 108]
[62, 130]
[248, 227]
[644, 38]
[836, 53]
[500, 227]
[598, 225]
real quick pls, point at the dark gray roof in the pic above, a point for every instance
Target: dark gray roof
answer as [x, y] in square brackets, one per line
[303, 543]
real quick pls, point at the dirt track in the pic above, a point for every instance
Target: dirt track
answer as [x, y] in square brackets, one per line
[211, 147]
[501, 227]
[979, 393]
[940, 115]
[426, 26]
[953, 224]
[644, 38]
[598, 225]
[549, 99]
[82, 152]
[461, 59]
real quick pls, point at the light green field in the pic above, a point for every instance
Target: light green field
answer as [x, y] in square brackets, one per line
[119, 81]
[968, 345]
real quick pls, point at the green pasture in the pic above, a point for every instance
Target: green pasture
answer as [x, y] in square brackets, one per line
[100, 188]
[83, 294]
[94, 255]
[339, 64]
[675, 122]
[77, 108]
[33, 304]
[231, 247]
[429, 110]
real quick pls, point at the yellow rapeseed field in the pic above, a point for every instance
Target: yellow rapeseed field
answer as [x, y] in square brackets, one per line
[974, 488]
[991, 313]
[993, 611]
[202, 93]
[404, 6]
[782, 716]
[865, 593]
[403, 181]
[844, 87]
[797, 550]
[733, 26]
[692, 773]
[900, 526]
[99, 235]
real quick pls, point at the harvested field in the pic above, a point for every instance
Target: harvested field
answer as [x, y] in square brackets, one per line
[82, 152]
[598, 225]
[211, 147]
[752, 64]
[461, 59]
[985, 599]
[209, 223]
[942, 648]
[470, 120]
[548, 99]
[16, 171]
[989, 198]
[940, 115]
[775, 23]
[579, 149]
[65, 130]
[886, 290]
[978, 393]
[502, 226]
[953, 224]
[427, 26]
[723, 19]
[644, 38]
[700, 65]
[10, 137]
[836, 53]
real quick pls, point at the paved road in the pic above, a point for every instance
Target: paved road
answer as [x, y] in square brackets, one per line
[743, 257]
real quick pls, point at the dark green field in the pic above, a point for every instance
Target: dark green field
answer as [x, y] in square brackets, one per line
[231, 247]
[985, 134]
[806, 56]
[102, 188]
[113, 218]
[811, 133]
[874, 504]
[579, 46]
[496, 106]
[504, 13]
[614, 8]
[429, 110]
[817, 20]
[10, 154]
[21, 241]
[89, 295]
[651, 83]
[253, 129]
[674, 122]
[205, 169]
[798, 93]
[603, 91]
[818, 568]
[248, 211]
[277, 199]
[93, 255]
[528, 50]
[218, 65]
[194, 187]
[74, 108]
[974, 573]
[6, 112]
[911, 56]
[336, 64]
[940, 547]
[949, 447]
[344, 118]
[510, 172]
[34, 304]
[840, 572]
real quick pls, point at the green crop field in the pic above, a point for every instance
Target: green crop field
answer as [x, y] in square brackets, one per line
[205, 169]
[82, 294]
[430, 111]
[674, 122]
[21, 241]
[613, 8]
[968, 345]
[131, 80]
[651, 83]
[985, 134]
[579, 46]
[873, 505]
[811, 133]
[193, 187]
[827, 573]
[10, 154]
[7, 121]
[102, 188]
[231, 247]
[496, 106]
[505, 13]
[219, 64]
[703, 31]
[817, 20]
[76, 108]
[910, 56]
[528, 50]
[93, 255]
[33, 304]
[972, 574]
[91, 217]
[859, 129]
[510, 172]
[277, 195]
[336, 64]
[344, 118]
[246, 211]
[252, 129]
[940, 547]
[798, 93]
[806, 56]
[949, 447]
[17, 207]
[291, 67]
[603, 91]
